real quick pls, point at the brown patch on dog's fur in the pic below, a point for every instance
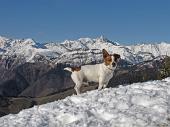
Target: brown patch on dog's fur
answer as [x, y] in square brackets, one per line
[75, 68]
[107, 57]
[105, 53]
[116, 57]
[108, 60]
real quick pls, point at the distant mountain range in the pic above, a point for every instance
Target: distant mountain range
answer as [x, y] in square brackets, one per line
[81, 51]
[32, 73]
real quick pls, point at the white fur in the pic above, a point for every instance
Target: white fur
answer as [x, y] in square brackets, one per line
[92, 73]
[67, 69]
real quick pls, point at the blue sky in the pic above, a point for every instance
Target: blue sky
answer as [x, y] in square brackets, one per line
[125, 21]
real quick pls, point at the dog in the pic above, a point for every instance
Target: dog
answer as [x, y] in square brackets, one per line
[100, 73]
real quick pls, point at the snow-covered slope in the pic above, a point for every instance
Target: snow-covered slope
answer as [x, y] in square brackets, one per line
[85, 48]
[137, 105]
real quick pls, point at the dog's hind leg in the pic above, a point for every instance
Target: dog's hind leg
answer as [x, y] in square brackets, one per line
[78, 82]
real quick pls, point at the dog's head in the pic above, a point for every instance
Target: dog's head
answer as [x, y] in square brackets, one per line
[110, 60]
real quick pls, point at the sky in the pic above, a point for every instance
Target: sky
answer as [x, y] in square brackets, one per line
[124, 21]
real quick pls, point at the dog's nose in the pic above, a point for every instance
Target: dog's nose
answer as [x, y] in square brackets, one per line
[113, 64]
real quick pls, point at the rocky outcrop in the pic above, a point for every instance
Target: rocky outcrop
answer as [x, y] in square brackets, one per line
[32, 79]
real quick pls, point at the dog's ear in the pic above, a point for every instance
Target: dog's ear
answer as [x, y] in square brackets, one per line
[105, 53]
[116, 57]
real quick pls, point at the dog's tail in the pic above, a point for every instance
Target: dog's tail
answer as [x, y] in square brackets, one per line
[68, 69]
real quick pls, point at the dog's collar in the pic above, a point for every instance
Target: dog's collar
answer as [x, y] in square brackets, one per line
[109, 68]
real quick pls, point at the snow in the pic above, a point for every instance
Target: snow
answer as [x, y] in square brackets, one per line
[71, 50]
[137, 105]
[156, 49]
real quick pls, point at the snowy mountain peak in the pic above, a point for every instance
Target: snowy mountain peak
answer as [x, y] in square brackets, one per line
[6, 43]
[85, 40]
[82, 51]
[3, 38]
[104, 39]
[29, 41]
[3, 41]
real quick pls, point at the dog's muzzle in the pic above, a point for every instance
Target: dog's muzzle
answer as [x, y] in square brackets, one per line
[113, 64]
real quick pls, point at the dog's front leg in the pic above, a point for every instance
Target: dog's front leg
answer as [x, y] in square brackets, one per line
[100, 86]
[107, 79]
[100, 83]
[105, 85]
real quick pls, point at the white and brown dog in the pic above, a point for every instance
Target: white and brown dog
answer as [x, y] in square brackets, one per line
[100, 73]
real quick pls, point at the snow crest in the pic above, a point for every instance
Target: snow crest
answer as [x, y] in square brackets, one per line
[137, 105]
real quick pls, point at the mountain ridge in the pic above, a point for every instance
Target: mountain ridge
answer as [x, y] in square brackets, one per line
[70, 51]
[29, 70]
